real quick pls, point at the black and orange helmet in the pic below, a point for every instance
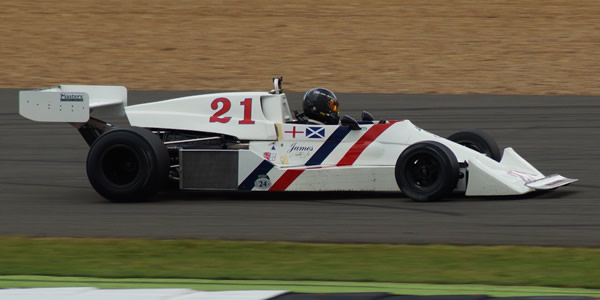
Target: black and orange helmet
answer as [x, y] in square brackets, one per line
[321, 104]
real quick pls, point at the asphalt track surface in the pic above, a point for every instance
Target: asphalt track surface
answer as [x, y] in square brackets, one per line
[44, 190]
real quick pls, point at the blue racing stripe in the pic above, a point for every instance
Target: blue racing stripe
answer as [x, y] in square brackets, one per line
[334, 139]
[262, 169]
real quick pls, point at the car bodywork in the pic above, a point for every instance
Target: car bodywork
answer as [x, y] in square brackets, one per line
[251, 141]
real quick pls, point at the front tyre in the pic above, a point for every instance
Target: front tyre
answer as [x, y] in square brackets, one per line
[427, 171]
[479, 141]
[127, 164]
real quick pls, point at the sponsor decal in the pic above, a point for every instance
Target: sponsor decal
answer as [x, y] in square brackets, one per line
[525, 177]
[555, 182]
[315, 132]
[300, 151]
[283, 159]
[65, 97]
[294, 132]
[263, 182]
[294, 148]
[270, 156]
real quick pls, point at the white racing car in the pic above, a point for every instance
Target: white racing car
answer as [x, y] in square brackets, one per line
[250, 141]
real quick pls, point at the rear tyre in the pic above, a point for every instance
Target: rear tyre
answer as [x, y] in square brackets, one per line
[427, 171]
[479, 141]
[127, 164]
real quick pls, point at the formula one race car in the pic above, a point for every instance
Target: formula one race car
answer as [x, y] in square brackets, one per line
[251, 141]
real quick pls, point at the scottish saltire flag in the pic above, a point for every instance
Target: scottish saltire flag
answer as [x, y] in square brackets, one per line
[315, 132]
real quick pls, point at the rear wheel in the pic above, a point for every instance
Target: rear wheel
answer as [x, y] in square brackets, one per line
[479, 141]
[427, 171]
[127, 164]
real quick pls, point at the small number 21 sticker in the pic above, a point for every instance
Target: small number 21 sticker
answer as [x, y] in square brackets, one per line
[223, 105]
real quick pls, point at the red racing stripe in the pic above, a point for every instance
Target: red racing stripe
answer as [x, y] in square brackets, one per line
[286, 179]
[365, 140]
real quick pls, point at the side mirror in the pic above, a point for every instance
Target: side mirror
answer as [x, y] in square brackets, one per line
[348, 121]
[367, 116]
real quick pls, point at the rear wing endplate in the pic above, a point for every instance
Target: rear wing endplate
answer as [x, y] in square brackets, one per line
[72, 103]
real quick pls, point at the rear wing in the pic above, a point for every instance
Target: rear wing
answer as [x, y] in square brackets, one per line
[72, 103]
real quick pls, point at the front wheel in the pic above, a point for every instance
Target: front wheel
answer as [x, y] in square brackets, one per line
[127, 164]
[427, 171]
[479, 141]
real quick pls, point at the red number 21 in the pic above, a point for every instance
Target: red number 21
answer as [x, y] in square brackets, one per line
[217, 117]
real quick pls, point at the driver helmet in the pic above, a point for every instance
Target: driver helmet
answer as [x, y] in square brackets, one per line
[320, 104]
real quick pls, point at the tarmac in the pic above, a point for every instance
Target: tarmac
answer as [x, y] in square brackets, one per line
[45, 191]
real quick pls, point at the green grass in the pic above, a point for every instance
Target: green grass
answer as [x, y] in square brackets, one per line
[295, 286]
[180, 259]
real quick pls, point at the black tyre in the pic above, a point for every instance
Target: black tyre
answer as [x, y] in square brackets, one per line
[127, 164]
[427, 171]
[478, 141]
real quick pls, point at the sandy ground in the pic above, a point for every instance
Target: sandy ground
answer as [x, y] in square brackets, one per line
[381, 46]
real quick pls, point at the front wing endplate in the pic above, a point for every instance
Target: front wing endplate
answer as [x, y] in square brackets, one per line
[550, 182]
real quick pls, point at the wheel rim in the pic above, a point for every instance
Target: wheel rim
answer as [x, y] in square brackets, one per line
[423, 172]
[120, 165]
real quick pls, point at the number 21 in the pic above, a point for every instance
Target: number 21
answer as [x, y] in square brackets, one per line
[226, 106]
